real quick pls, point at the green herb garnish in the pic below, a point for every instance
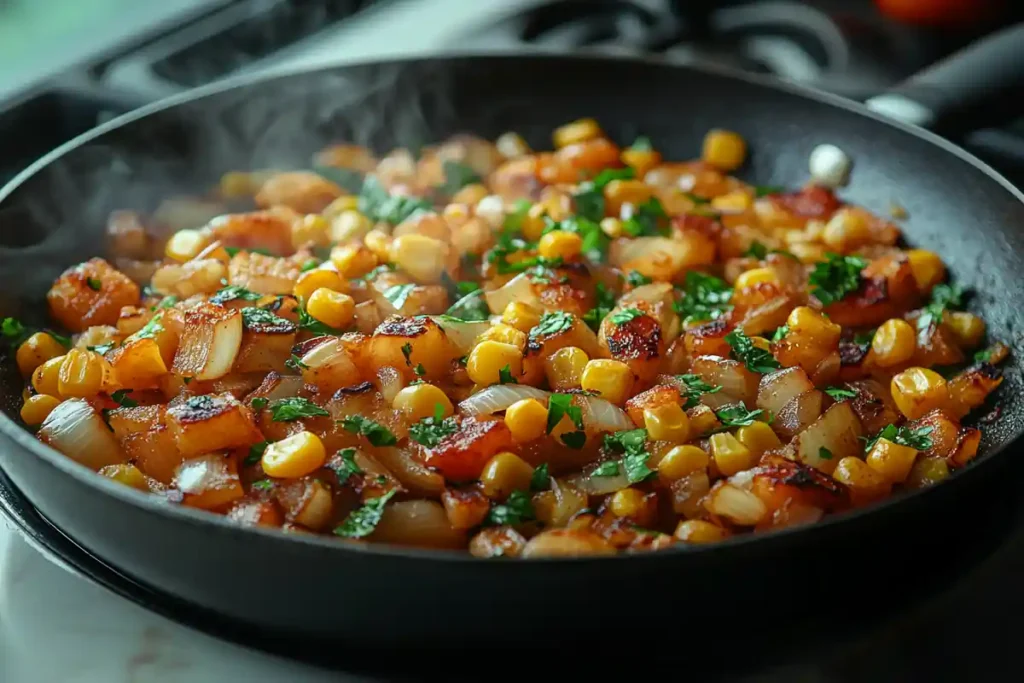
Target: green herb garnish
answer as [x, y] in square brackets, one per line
[551, 323]
[296, 364]
[756, 250]
[377, 204]
[780, 333]
[637, 279]
[431, 430]
[505, 376]
[515, 510]
[364, 520]
[252, 317]
[836, 277]
[648, 220]
[262, 485]
[693, 388]
[347, 468]
[589, 197]
[151, 328]
[471, 308]
[605, 302]
[376, 433]
[705, 297]
[540, 480]
[457, 176]
[94, 283]
[294, 408]
[259, 403]
[743, 349]
[120, 397]
[609, 468]
[840, 393]
[560, 405]
[824, 453]
[917, 439]
[256, 452]
[943, 297]
[737, 416]
[232, 293]
[398, 294]
[632, 444]
[625, 315]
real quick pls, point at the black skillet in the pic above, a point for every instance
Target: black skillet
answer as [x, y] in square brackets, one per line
[696, 601]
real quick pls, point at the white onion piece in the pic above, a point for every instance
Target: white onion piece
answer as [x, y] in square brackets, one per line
[519, 288]
[830, 166]
[492, 210]
[389, 381]
[499, 397]
[654, 293]
[600, 415]
[599, 486]
[738, 506]
[285, 387]
[460, 333]
[75, 429]
[663, 249]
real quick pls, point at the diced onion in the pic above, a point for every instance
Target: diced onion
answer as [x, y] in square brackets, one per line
[460, 333]
[830, 166]
[519, 288]
[492, 209]
[499, 397]
[389, 380]
[738, 506]
[662, 249]
[600, 415]
[599, 486]
[75, 429]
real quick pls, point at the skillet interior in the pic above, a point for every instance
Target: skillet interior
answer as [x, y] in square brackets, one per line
[53, 216]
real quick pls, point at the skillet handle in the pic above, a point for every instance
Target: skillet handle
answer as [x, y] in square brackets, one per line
[974, 88]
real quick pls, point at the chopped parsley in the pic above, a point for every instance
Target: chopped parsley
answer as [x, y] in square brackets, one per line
[780, 333]
[765, 190]
[94, 283]
[649, 219]
[605, 302]
[102, 349]
[382, 268]
[376, 433]
[151, 328]
[637, 279]
[743, 349]
[166, 302]
[559, 406]
[471, 308]
[836, 277]
[252, 316]
[457, 176]
[589, 197]
[407, 352]
[295, 408]
[840, 393]
[595, 242]
[540, 480]
[259, 403]
[256, 452]
[575, 440]
[609, 468]
[364, 520]
[14, 332]
[262, 485]
[983, 356]
[347, 467]
[824, 453]
[737, 416]
[233, 251]
[419, 370]
[632, 444]
[430, 431]
[515, 510]
[756, 250]
[232, 293]
[693, 388]
[551, 323]
[705, 297]
[398, 294]
[918, 438]
[505, 376]
[625, 315]
[943, 296]
[120, 397]
[377, 204]
[310, 264]
[296, 364]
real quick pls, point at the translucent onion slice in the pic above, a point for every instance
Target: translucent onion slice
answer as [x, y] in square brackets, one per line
[519, 288]
[499, 397]
[78, 431]
[600, 415]
[460, 333]
[738, 506]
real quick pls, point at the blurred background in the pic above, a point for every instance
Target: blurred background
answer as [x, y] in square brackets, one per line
[66, 65]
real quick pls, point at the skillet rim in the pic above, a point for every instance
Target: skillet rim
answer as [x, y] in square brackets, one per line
[19, 436]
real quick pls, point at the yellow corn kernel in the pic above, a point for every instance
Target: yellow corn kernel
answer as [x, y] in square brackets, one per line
[738, 200]
[927, 471]
[521, 316]
[894, 343]
[756, 276]
[83, 374]
[862, 480]
[347, 202]
[349, 225]
[560, 244]
[129, 475]
[533, 222]
[724, 150]
[846, 230]
[310, 229]
[918, 391]
[612, 380]
[640, 160]
[379, 242]
[758, 438]
[489, 358]
[564, 368]
[46, 378]
[682, 461]
[891, 460]
[504, 473]
[511, 145]
[730, 455]
[318, 278]
[185, 244]
[36, 350]
[703, 420]
[927, 267]
[37, 407]
[611, 227]
[968, 328]
[699, 531]
[527, 419]
[422, 257]
[627, 502]
[811, 325]
[421, 400]
[295, 456]
[353, 260]
[332, 308]
[667, 422]
[470, 194]
[577, 131]
[506, 334]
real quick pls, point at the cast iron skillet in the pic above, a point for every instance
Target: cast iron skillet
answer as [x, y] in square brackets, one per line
[765, 588]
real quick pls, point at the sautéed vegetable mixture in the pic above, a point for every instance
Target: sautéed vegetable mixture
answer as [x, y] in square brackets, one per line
[521, 353]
